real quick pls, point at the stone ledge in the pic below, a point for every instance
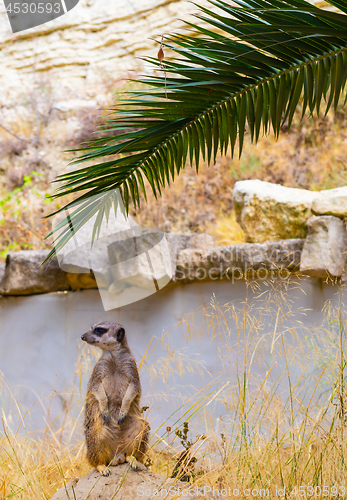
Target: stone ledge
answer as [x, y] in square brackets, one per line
[268, 211]
[239, 260]
[196, 258]
[24, 273]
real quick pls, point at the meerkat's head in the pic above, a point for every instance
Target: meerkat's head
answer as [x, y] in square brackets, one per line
[106, 335]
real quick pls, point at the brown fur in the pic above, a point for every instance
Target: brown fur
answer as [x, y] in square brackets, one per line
[114, 426]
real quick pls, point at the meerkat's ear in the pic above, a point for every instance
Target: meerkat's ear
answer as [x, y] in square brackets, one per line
[120, 334]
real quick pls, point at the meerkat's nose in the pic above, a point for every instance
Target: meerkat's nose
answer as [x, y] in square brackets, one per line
[83, 337]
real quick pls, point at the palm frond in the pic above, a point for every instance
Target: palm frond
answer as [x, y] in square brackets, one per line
[243, 65]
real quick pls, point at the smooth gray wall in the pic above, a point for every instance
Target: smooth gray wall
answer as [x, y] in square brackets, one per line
[40, 339]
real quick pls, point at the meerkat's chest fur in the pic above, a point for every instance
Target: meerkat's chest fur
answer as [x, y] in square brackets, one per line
[114, 379]
[115, 373]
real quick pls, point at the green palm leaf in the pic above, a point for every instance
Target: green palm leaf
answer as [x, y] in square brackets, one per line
[244, 66]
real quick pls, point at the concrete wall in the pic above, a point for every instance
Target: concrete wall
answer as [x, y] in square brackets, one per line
[40, 342]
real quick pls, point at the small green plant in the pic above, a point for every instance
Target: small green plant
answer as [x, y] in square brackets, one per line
[15, 197]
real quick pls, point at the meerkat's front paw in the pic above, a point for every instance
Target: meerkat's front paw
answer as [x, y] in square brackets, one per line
[104, 471]
[121, 417]
[105, 417]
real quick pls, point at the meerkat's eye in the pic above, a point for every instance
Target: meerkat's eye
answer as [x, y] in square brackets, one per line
[99, 331]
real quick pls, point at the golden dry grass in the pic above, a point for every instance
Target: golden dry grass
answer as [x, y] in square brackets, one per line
[311, 156]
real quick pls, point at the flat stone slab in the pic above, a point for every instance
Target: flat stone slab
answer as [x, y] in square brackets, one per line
[251, 260]
[127, 484]
[25, 275]
[331, 202]
[193, 259]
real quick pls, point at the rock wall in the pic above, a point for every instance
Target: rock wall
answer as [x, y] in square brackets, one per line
[193, 258]
[283, 237]
[269, 211]
[96, 40]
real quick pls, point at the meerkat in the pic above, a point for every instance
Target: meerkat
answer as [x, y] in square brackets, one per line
[115, 430]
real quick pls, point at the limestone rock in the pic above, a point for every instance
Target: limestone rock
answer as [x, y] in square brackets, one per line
[331, 202]
[268, 211]
[24, 274]
[179, 242]
[247, 259]
[81, 254]
[93, 41]
[137, 485]
[325, 247]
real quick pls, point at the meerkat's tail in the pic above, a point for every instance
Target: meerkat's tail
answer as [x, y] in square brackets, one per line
[101, 442]
[135, 438]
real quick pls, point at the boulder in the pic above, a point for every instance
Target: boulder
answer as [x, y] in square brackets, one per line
[81, 253]
[127, 484]
[331, 202]
[325, 247]
[268, 211]
[254, 260]
[25, 274]
[142, 263]
[136, 260]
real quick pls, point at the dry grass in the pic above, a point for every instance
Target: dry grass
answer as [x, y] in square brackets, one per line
[280, 394]
[311, 156]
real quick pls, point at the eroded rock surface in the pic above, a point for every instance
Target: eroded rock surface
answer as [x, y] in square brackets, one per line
[94, 41]
[325, 247]
[24, 274]
[238, 261]
[126, 484]
[179, 242]
[268, 211]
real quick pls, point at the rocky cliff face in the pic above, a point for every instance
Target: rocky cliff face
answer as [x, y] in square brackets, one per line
[97, 39]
